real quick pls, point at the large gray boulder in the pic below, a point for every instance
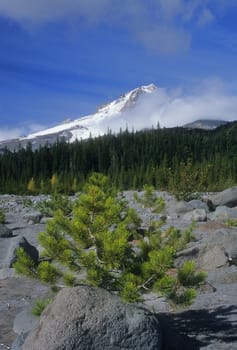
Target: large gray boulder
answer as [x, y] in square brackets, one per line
[177, 209]
[227, 198]
[212, 257]
[198, 204]
[196, 215]
[232, 254]
[207, 257]
[90, 318]
[211, 249]
[223, 213]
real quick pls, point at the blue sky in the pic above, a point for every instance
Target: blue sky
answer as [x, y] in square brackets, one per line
[62, 58]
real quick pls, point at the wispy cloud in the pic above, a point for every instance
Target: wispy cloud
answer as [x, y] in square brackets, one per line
[10, 133]
[161, 25]
[206, 17]
[175, 107]
[34, 11]
[175, 39]
[7, 133]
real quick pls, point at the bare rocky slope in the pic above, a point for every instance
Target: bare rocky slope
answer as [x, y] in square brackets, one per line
[210, 323]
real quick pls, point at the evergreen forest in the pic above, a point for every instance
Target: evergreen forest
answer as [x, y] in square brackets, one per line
[174, 159]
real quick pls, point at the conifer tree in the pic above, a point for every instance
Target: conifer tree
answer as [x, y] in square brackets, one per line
[150, 201]
[31, 187]
[54, 182]
[97, 239]
[74, 185]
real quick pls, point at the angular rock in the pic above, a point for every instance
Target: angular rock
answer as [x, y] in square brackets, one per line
[178, 208]
[28, 248]
[198, 204]
[196, 215]
[225, 275]
[33, 217]
[227, 198]
[223, 213]
[207, 256]
[5, 232]
[190, 252]
[232, 255]
[91, 318]
[155, 303]
[212, 257]
[186, 254]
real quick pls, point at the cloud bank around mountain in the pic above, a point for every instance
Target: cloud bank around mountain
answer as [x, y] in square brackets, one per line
[169, 108]
[10, 133]
[7, 133]
[175, 107]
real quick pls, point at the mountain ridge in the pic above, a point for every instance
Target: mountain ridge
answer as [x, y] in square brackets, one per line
[105, 112]
[95, 124]
[207, 124]
[115, 115]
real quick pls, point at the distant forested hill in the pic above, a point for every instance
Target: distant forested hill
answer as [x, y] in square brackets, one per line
[174, 159]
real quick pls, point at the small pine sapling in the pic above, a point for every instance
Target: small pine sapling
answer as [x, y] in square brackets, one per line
[153, 204]
[40, 305]
[188, 276]
[96, 238]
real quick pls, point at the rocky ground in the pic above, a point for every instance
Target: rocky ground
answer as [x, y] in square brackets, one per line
[16, 292]
[210, 323]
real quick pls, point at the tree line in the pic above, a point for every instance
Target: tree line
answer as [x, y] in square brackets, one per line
[173, 159]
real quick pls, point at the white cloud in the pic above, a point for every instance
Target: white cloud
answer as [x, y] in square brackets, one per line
[175, 108]
[34, 127]
[34, 11]
[7, 133]
[159, 24]
[206, 17]
[209, 100]
[166, 40]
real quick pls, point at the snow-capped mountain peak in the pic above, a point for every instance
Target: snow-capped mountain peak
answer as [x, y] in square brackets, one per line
[126, 100]
[140, 108]
[97, 123]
